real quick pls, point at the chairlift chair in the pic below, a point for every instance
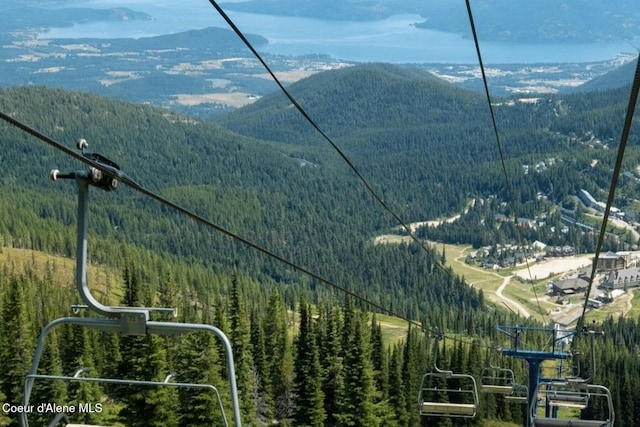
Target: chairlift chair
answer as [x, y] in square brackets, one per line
[497, 380]
[104, 174]
[447, 394]
[166, 383]
[571, 396]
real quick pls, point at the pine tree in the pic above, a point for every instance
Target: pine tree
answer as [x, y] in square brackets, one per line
[396, 387]
[83, 392]
[17, 341]
[144, 358]
[4, 418]
[168, 298]
[380, 360]
[378, 357]
[358, 395]
[53, 390]
[161, 402]
[279, 358]
[11, 300]
[261, 385]
[330, 340]
[412, 370]
[309, 399]
[241, 344]
[197, 362]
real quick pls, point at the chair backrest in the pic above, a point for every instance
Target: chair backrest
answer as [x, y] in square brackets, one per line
[445, 394]
[497, 380]
[520, 394]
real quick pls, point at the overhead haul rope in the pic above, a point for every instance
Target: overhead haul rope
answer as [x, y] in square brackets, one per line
[120, 176]
[499, 144]
[633, 98]
[326, 137]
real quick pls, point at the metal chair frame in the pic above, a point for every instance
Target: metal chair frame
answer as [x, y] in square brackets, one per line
[497, 380]
[165, 383]
[434, 408]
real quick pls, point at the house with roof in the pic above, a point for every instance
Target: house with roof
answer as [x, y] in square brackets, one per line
[560, 251]
[586, 198]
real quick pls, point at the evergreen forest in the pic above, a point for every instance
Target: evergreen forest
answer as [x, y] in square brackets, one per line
[308, 350]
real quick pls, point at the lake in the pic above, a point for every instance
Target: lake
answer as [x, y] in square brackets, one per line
[393, 40]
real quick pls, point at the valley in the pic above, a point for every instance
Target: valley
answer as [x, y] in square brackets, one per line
[520, 287]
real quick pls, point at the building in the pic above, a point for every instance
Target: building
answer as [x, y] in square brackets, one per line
[623, 278]
[612, 261]
[571, 285]
[587, 198]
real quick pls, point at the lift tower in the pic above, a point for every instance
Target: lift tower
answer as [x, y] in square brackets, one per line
[534, 357]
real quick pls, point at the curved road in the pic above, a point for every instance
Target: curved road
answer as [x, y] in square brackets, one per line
[513, 305]
[498, 296]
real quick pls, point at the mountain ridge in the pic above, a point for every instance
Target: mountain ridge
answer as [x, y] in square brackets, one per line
[404, 94]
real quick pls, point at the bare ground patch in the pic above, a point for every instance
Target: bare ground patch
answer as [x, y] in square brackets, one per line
[233, 99]
[289, 76]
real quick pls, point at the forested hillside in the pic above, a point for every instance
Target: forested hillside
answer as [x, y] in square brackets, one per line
[318, 216]
[429, 148]
[306, 354]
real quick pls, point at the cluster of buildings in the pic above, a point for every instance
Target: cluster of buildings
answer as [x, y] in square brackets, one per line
[617, 272]
[506, 256]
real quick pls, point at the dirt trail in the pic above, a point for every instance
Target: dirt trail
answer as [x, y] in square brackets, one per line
[498, 296]
[513, 305]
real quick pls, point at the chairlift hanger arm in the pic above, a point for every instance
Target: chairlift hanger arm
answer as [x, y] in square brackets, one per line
[516, 337]
[104, 175]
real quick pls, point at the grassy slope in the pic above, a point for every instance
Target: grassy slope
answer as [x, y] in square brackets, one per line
[101, 279]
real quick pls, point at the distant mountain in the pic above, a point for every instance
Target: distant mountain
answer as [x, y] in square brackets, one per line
[36, 18]
[619, 77]
[421, 139]
[346, 101]
[540, 21]
[339, 10]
